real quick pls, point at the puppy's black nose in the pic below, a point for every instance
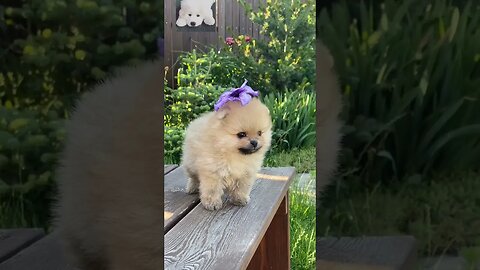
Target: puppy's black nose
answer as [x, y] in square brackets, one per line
[192, 23]
[253, 143]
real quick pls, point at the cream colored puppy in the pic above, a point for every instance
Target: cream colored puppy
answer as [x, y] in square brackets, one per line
[224, 150]
[328, 123]
[109, 213]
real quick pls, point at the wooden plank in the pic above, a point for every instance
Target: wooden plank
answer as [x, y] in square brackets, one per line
[221, 17]
[274, 249]
[14, 240]
[242, 20]
[169, 168]
[227, 238]
[227, 16]
[45, 254]
[347, 253]
[177, 203]
[235, 18]
[168, 40]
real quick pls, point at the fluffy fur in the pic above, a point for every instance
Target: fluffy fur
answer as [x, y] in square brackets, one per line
[328, 124]
[217, 157]
[194, 12]
[110, 211]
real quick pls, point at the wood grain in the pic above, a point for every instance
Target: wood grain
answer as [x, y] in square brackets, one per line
[274, 249]
[388, 252]
[227, 238]
[177, 203]
[14, 240]
[46, 254]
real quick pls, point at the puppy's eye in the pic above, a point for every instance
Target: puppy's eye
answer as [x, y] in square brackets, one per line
[190, 15]
[198, 15]
[241, 135]
[260, 133]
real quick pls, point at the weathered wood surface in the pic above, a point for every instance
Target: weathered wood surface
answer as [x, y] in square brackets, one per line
[168, 168]
[177, 203]
[14, 240]
[378, 253]
[46, 254]
[227, 238]
[278, 237]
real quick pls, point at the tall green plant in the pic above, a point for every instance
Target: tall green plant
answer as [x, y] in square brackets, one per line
[293, 115]
[410, 79]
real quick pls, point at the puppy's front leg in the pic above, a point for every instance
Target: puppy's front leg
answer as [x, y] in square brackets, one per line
[240, 194]
[211, 191]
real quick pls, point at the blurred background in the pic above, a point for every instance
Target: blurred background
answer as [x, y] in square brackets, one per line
[50, 53]
[410, 77]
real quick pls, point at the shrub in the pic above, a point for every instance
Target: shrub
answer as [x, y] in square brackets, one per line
[53, 50]
[288, 49]
[29, 145]
[293, 115]
[410, 81]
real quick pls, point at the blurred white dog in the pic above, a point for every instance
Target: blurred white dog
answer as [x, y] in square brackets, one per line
[194, 12]
[328, 122]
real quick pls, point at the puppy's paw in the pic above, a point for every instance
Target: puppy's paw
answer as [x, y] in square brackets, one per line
[181, 22]
[209, 21]
[211, 203]
[240, 200]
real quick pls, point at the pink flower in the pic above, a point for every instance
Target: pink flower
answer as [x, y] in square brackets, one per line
[248, 38]
[230, 41]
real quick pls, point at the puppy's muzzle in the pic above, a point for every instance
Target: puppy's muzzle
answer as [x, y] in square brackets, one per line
[252, 148]
[193, 23]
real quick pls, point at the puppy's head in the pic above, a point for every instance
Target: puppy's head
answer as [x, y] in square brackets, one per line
[192, 12]
[247, 129]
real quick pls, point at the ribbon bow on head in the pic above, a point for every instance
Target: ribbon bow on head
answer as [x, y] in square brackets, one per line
[244, 94]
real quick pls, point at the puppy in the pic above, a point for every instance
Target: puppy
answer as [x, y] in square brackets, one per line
[328, 123]
[194, 12]
[224, 150]
[109, 213]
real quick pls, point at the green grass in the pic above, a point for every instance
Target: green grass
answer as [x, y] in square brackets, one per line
[442, 213]
[303, 160]
[302, 228]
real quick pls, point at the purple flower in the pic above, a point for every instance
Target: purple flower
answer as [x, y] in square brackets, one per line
[248, 38]
[244, 94]
[229, 41]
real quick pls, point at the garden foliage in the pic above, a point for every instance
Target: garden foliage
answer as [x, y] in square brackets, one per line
[50, 53]
[410, 79]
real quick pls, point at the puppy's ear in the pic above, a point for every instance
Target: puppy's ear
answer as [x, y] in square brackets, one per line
[222, 112]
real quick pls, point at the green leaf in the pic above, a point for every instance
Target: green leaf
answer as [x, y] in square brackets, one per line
[80, 55]
[18, 123]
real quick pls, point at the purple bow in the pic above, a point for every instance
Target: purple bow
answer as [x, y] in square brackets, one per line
[243, 94]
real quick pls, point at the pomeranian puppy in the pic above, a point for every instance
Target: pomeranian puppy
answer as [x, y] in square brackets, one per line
[328, 123]
[110, 208]
[223, 151]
